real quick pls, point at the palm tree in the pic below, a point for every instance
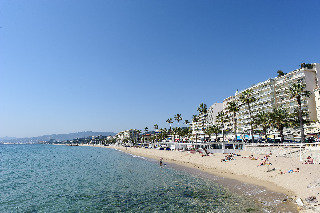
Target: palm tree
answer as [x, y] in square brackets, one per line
[202, 109]
[162, 134]
[169, 121]
[156, 127]
[145, 130]
[215, 130]
[166, 132]
[175, 131]
[195, 119]
[178, 118]
[138, 136]
[280, 73]
[246, 97]
[197, 130]
[295, 118]
[179, 132]
[234, 108]
[263, 119]
[188, 128]
[186, 132]
[189, 134]
[280, 119]
[297, 91]
[208, 131]
[222, 119]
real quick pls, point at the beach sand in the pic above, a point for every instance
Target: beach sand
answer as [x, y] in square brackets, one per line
[297, 185]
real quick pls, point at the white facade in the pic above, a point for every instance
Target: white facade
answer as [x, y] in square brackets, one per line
[315, 127]
[272, 93]
[212, 113]
[197, 128]
[206, 120]
[317, 101]
[131, 135]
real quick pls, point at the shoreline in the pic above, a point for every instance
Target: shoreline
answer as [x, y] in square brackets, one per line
[221, 173]
[294, 185]
[264, 197]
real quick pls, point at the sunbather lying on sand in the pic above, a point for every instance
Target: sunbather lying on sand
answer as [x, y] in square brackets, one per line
[252, 158]
[309, 161]
[265, 162]
[290, 171]
[227, 158]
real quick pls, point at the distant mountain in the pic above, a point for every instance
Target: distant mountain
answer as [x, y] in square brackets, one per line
[6, 138]
[57, 137]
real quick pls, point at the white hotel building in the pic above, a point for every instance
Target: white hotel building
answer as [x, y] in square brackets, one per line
[130, 135]
[272, 93]
[204, 121]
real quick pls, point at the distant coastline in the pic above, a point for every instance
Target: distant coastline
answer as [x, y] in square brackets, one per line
[52, 138]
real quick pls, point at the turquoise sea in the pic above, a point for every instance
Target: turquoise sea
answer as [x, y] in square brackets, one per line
[47, 178]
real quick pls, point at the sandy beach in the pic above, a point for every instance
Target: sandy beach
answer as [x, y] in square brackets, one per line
[298, 185]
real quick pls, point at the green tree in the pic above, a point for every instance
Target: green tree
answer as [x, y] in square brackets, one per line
[179, 132]
[234, 108]
[139, 135]
[163, 133]
[169, 121]
[263, 120]
[166, 133]
[222, 118]
[247, 98]
[125, 140]
[178, 118]
[186, 132]
[297, 91]
[280, 119]
[203, 110]
[136, 134]
[280, 73]
[195, 119]
[208, 131]
[295, 118]
[145, 130]
[175, 131]
[216, 129]
[156, 134]
[213, 129]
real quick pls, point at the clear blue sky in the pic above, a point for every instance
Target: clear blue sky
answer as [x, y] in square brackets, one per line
[78, 65]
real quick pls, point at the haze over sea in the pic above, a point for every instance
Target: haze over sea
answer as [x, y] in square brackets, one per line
[45, 178]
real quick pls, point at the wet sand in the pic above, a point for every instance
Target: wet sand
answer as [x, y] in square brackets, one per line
[270, 201]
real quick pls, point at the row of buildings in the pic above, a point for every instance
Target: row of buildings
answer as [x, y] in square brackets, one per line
[270, 94]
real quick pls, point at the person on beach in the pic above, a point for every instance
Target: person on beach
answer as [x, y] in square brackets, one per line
[161, 161]
[309, 160]
[252, 158]
[290, 171]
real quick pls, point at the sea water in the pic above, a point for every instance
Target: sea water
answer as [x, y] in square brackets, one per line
[47, 178]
